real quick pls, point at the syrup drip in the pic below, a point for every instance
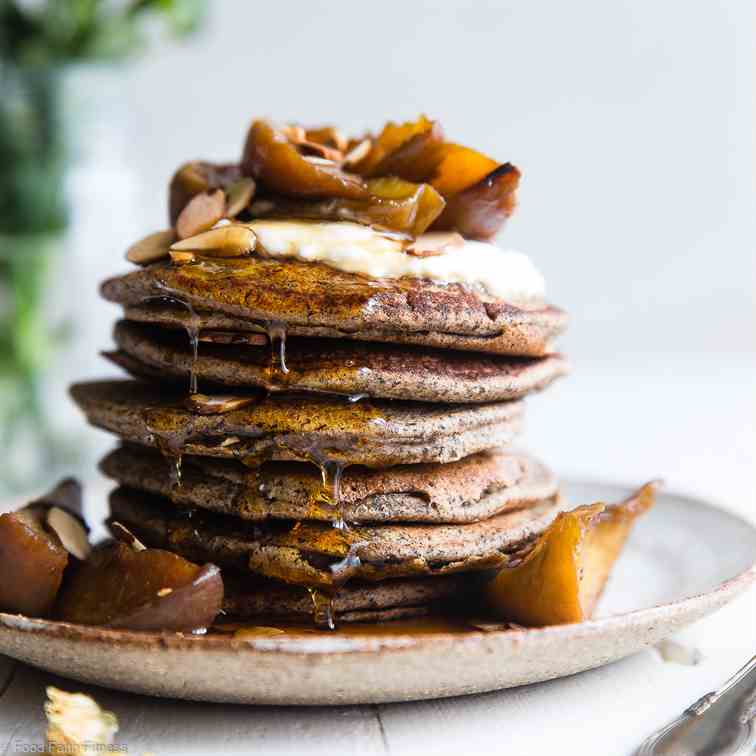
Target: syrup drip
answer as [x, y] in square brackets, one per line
[192, 327]
[322, 609]
[277, 335]
[327, 498]
[343, 569]
[330, 493]
[193, 333]
[175, 468]
[170, 438]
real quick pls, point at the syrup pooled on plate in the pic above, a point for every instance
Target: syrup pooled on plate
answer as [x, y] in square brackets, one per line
[431, 625]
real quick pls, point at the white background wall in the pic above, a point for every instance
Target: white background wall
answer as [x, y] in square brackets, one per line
[632, 121]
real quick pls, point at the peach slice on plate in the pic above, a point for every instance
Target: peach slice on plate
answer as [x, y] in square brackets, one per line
[130, 587]
[560, 579]
[35, 545]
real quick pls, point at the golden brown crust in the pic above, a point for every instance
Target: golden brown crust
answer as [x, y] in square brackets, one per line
[312, 299]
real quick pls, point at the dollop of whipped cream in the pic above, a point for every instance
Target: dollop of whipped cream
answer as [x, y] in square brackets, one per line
[351, 247]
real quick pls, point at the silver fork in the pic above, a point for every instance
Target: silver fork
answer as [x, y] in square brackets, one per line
[704, 729]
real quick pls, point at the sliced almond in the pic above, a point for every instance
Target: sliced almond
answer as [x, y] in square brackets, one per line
[328, 135]
[233, 337]
[239, 195]
[493, 627]
[317, 160]
[202, 212]
[234, 240]
[298, 136]
[152, 248]
[203, 404]
[230, 441]
[163, 592]
[122, 533]
[435, 243]
[315, 149]
[182, 258]
[358, 153]
[72, 533]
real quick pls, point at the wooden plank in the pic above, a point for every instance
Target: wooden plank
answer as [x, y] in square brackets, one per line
[7, 667]
[22, 721]
[166, 727]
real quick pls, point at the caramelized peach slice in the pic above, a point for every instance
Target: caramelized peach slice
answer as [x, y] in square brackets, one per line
[416, 159]
[421, 203]
[141, 589]
[392, 137]
[479, 211]
[561, 578]
[479, 191]
[394, 205]
[270, 156]
[460, 168]
[32, 561]
[35, 543]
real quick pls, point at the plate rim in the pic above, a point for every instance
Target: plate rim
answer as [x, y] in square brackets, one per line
[339, 645]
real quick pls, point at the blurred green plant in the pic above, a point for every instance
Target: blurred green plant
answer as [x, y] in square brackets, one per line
[40, 32]
[39, 41]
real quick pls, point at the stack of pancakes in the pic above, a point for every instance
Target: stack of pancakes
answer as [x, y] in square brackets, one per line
[352, 462]
[344, 449]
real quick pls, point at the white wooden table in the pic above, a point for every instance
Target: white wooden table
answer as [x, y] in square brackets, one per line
[695, 427]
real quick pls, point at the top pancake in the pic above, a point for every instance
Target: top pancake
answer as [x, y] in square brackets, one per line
[311, 299]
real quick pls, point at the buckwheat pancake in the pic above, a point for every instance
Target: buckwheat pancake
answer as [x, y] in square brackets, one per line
[254, 597]
[288, 427]
[319, 555]
[474, 488]
[312, 299]
[325, 365]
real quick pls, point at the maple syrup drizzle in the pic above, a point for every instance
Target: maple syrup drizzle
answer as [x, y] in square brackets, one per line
[171, 444]
[193, 333]
[322, 609]
[330, 493]
[170, 440]
[192, 327]
[327, 500]
[276, 331]
[176, 479]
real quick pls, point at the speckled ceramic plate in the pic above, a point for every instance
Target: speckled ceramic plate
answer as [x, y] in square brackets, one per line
[685, 559]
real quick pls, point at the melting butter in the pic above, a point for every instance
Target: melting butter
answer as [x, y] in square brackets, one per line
[351, 247]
